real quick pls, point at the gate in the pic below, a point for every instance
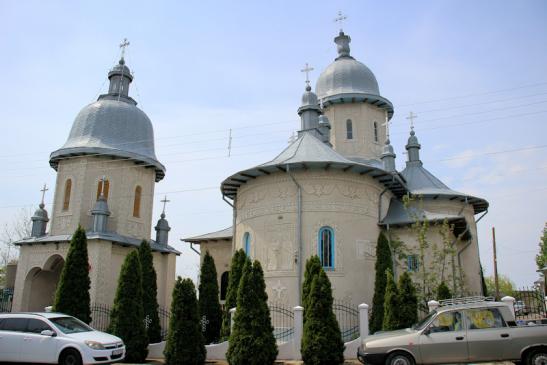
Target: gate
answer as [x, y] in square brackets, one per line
[6, 299]
[282, 318]
[348, 319]
[530, 304]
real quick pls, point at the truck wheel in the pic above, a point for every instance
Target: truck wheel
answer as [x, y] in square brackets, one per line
[70, 357]
[399, 358]
[538, 357]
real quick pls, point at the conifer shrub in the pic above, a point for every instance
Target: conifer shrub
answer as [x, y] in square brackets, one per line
[236, 269]
[443, 292]
[321, 341]
[252, 341]
[210, 312]
[391, 304]
[408, 302]
[185, 342]
[127, 316]
[383, 262]
[149, 293]
[72, 295]
[313, 268]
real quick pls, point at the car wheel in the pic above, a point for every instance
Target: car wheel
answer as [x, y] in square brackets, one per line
[538, 357]
[70, 357]
[399, 358]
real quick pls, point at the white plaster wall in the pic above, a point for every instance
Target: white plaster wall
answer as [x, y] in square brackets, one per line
[221, 250]
[123, 176]
[363, 116]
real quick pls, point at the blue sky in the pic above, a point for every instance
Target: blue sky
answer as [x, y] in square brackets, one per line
[474, 72]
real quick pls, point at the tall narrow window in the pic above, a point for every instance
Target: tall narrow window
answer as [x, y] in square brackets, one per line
[247, 243]
[412, 263]
[224, 279]
[137, 202]
[326, 247]
[375, 132]
[66, 198]
[349, 129]
[106, 188]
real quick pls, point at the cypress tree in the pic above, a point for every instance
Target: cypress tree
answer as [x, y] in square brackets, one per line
[252, 341]
[383, 263]
[127, 316]
[210, 312]
[313, 268]
[72, 295]
[149, 293]
[185, 343]
[321, 341]
[236, 269]
[391, 305]
[443, 292]
[408, 312]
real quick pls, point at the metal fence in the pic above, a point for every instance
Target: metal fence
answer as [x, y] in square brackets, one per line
[164, 315]
[347, 316]
[6, 300]
[529, 304]
[282, 318]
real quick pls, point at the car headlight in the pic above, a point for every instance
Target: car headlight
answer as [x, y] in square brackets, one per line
[95, 345]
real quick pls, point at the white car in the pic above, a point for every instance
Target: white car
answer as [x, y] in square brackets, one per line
[55, 338]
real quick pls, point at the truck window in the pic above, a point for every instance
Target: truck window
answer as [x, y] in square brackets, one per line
[484, 318]
[446, 322]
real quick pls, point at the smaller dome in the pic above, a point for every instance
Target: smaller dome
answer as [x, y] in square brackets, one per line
[309, 97]
[40, 214]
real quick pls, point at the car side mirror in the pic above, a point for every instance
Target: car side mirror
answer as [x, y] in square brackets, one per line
[427, 331]
[49, 333]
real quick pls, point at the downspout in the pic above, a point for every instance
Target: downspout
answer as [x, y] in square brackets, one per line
[298, 234]
[393, 265]
[233, 220]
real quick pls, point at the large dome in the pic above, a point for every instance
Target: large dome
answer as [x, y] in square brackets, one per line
[112, 126]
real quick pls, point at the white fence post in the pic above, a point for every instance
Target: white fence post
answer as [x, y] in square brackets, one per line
[232, 313]
[432, 305]
[510, 301]
[298, 330]
[363, 320]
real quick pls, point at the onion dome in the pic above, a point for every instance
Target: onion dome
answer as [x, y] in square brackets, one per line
[162, 230]
[388, 157]
[113, 126]
[100, 214]
[347, 80]
[39, 221]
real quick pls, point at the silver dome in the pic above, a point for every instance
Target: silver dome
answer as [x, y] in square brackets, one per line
[112, 126]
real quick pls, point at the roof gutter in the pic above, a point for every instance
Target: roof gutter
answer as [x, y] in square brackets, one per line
[380, 205]
[298, 234]
[233, 220]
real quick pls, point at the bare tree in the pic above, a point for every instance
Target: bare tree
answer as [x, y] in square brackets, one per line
[20, 227]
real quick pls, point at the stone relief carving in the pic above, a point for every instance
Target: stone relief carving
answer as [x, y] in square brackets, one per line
[318, 189]
[280, 247]
[279, 292]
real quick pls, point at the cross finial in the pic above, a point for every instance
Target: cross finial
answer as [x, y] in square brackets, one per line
[386, 124]
[164, 201]
[43, 190]
[123, 46]
[103, 183]
[307, 70]
[340, 19]
[411, 117]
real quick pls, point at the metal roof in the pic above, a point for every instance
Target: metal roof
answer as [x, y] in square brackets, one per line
[105, 236]
[223, 234]
[308, 152]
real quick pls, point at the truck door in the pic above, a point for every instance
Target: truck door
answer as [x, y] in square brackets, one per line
[487, 334]
[445, 340]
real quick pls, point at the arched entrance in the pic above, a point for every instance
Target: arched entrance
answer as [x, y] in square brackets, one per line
[41, 283]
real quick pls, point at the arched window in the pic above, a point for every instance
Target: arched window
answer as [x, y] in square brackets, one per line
[375, 132]
[137, 202]
[326, 247]
[247, 243]
[349, 129]
[224, 278]
[106, 188]
[66, 197]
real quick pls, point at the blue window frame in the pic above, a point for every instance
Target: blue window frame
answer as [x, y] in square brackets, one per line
[247, 244]
[326, 247]
[412, 263]
[349, 129]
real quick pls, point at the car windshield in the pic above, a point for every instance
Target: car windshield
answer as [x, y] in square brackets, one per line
[70, 325]
[421, 324]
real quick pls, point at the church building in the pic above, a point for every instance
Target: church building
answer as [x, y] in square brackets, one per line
[106, 174]
[334, 189]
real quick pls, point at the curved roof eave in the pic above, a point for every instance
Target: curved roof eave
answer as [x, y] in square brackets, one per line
[139, 159]
[479, 205]
[376, 100]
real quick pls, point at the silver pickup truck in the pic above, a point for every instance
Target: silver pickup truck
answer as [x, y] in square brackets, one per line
[459, 333]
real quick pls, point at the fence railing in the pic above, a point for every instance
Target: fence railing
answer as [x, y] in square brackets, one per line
[529, 304]
[347, 316]
[282, 319]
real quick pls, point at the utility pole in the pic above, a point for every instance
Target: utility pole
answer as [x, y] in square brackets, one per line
[495, 264]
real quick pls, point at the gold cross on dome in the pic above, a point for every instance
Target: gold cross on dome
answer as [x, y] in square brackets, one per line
[411, 117]
[340, 19]
[123, 46]
[43, 190]
[307, 70]
[164, 201]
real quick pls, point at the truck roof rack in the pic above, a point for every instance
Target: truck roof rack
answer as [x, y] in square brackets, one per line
[465, 300]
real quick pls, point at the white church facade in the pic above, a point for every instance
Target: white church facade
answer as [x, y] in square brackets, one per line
[106, 174]
[334, 189]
